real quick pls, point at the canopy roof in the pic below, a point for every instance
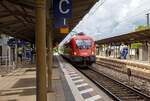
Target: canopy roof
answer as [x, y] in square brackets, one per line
[138, 36]
[17, 18]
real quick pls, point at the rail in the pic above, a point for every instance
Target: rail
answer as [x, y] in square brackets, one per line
[115, 89]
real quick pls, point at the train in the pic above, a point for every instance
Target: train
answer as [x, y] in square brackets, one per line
[80, 50]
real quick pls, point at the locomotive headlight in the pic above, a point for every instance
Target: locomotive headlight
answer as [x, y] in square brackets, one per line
[92, 52]
[75, 53]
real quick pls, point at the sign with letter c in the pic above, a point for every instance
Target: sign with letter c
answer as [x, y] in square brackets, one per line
[62, 8]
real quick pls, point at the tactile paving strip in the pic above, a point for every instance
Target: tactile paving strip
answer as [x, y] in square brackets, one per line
[80, 88]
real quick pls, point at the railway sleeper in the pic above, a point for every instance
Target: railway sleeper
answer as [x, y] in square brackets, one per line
[117, 88]
[120, 93]
[132, 98]
[127, 95]
[114, 86]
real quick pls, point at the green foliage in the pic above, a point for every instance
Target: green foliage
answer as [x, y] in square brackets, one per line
[56, 49]
[136, 45]
[140, 28]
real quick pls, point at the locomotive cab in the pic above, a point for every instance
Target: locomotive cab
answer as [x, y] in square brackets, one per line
[83, 50]
[80, 50]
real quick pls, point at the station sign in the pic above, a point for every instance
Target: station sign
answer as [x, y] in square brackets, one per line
[115, 44]
[60, 23]
[21, 43]
[64, 30]
[11, 42]
[62, 8]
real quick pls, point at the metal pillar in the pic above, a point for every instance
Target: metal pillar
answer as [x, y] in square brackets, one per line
[50, 60]
[148, 20]
[116, 51]
[10, 57]
[149, 52]
[30, 53]
[49, 44]
[129, 47]
[41, 50]
[99, 51]
[25, 51]
[16, 52]
[104, 50]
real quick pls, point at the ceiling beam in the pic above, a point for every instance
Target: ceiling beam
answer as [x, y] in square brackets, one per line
[27, 5]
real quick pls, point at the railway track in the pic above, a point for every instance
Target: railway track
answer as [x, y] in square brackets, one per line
[118, 69]
[117, 90]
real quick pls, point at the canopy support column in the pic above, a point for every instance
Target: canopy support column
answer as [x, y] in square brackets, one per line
[50, 60]
[41, 50]
[129, 47]
[116, 51]
[149, 52]
[10, 56]
[16, 52]
[49, 44]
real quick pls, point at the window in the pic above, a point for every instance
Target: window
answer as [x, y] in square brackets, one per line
[83, 44]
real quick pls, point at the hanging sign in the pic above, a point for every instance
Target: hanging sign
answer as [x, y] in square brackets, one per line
[62, 8]
[64, 30]
[60, 23]
[21, 43]
[11, 43]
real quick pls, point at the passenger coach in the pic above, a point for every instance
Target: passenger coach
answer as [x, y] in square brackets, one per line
[80, 50]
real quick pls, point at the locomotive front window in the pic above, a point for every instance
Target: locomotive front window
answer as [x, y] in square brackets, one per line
[83, 44]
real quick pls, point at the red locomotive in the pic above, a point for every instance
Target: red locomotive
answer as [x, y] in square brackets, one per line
[80, 50]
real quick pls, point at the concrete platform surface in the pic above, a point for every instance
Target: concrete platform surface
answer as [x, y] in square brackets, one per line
[81, 87]
[19, 85]
[67, 85]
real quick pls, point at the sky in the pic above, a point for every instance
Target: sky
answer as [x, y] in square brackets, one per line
[108, 18]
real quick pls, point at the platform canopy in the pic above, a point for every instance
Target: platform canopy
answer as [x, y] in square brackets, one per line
[17, 18]
[139, 36]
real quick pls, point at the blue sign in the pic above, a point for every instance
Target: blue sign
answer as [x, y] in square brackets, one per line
[62, 8]
[60, 23]
[11, 43]
[20, 43]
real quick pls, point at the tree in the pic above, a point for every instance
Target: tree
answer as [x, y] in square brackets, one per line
[137, 45]
[140, 28]
[56, 49]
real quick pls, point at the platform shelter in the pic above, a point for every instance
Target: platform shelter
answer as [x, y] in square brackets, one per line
[126, 39]
[32, 21]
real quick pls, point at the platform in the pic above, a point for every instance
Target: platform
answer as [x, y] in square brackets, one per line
[68, 84]
[19, 85]
[134, 61]
[139, 75]
[138, 68]
[82, 88]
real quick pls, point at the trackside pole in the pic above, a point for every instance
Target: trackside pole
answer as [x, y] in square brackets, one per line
[41, 50]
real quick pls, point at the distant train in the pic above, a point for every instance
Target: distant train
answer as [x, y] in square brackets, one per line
[80, 50]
